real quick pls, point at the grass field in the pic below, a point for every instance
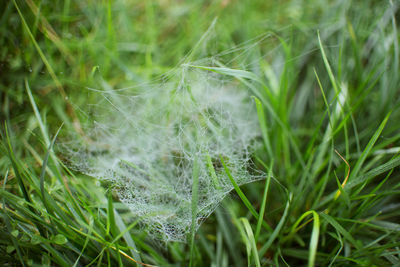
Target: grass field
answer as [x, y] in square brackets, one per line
[321, 77]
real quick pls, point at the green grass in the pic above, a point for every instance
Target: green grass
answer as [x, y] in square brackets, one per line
[324, 76]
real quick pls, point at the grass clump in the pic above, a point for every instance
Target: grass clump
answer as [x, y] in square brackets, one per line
[321, 129]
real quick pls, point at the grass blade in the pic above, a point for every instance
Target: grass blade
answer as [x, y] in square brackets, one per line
[251, 240]
[212, 172]
[277, 229]
[45, 61]
[368, 148]
[37, 114]
[8, 223]
[314, 235]
[340, 229]
[16, 168]
[123, 229]
[231, 72]
[328, 66]
[263, 126]
[239, 191]
[195, 199]
[242, 195]
[264, 202]
[43, 171]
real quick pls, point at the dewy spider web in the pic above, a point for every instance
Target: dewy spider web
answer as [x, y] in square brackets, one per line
[145, 143]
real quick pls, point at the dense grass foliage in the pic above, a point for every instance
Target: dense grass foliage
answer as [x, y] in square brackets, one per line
[324, 76]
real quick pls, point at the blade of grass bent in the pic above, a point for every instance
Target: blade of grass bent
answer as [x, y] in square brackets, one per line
[314, 235]
[393, 163]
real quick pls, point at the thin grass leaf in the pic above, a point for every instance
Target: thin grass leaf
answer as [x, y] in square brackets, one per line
[324, 98]
[391, 164]
[314, 235]
[341, 230]
[339, 238]
[43, 171]
[238, 190]
[395, 40]
[368, 148]
[227, 228]
[207, 246]
[328, 66]
[242, 196]
[212, 172]
[277, 229]
[37, 114]
[263, 126]
[85, 244]
[219, 244]
[372, 196]
[39, 50]
[264, 202]
[8, 223]
[230, 72]
[16, 168]
[243, 234]
[128, 238]
[49, 31]
[251, 240]
[195, 188]
[111, 226]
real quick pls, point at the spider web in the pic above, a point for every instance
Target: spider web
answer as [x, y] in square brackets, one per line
[144, 140]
